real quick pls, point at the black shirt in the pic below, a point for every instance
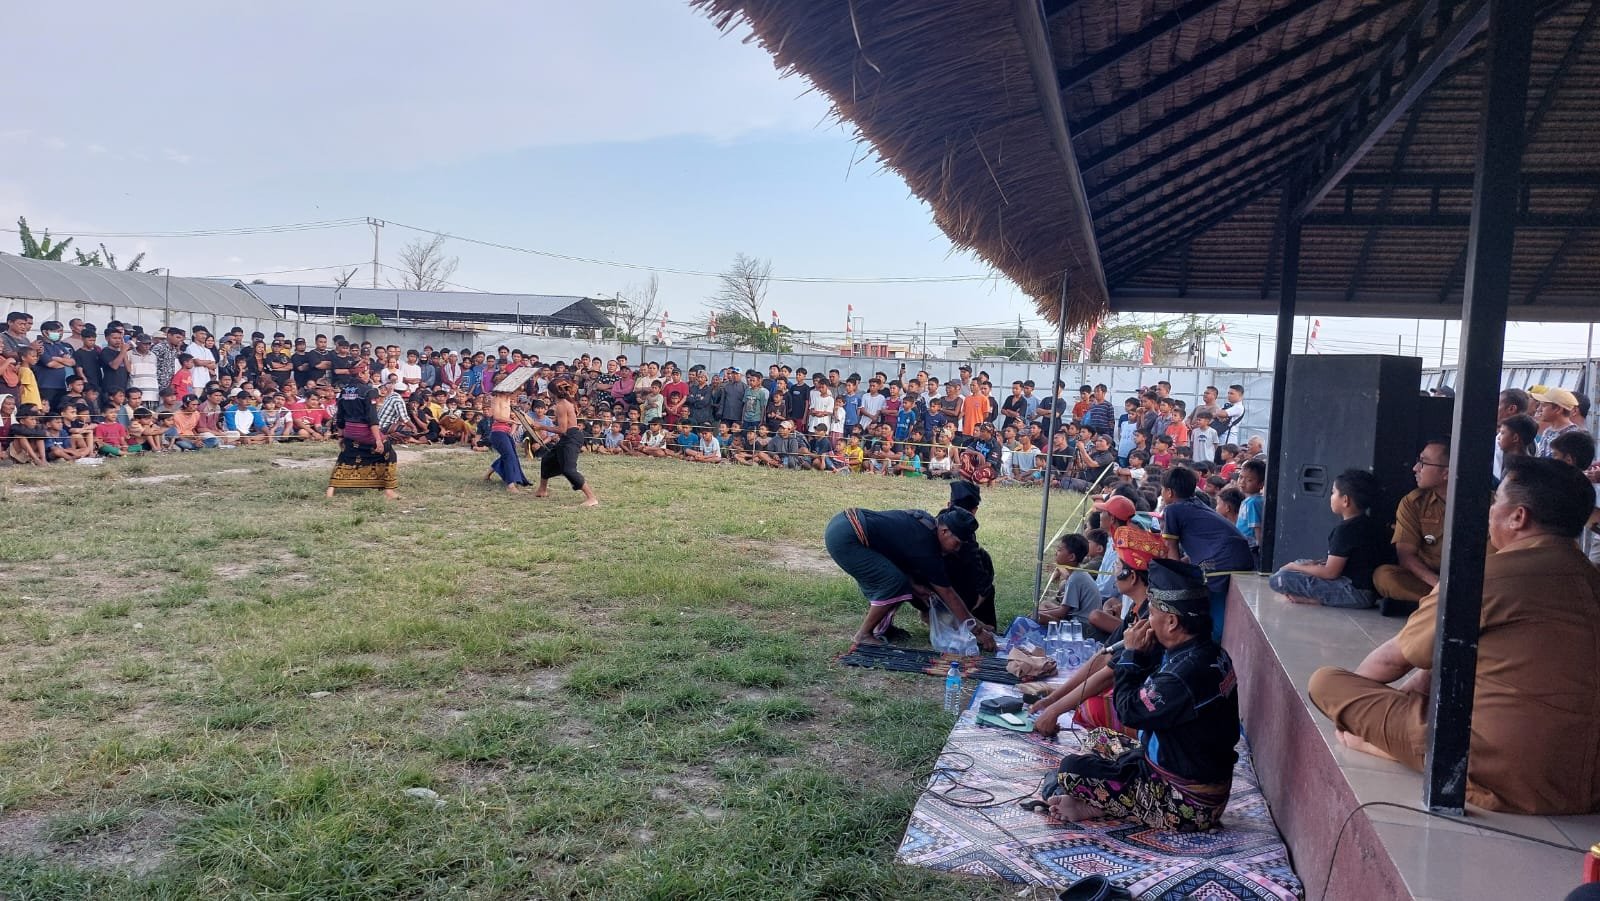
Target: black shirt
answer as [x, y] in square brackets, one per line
[88, 362]
[698, 404]
[910, 540]
[357, 403]
[1363, 545]
[1184, 704]
[111, 379]
[799, 403]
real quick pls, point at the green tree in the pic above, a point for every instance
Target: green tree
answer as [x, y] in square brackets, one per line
[104, 257]
[45, 248]
[738, 330]
[1175, 342]
[365, 319]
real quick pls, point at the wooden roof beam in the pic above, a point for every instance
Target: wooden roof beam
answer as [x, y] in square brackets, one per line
[1155, 251]
[1053, 8]
[1384, 199]
[1384, 101]
[1130, 44]
[1532, 221]
[1199, 61]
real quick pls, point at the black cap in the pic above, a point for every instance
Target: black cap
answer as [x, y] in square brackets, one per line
[1178, 587]
[965, 495]
[961, 524]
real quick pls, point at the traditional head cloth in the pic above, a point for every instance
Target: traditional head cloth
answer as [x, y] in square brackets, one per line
[1136, 547]
[1178, 588]
[961, 523]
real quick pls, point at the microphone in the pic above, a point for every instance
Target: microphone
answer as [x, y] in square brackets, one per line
[1113, 649]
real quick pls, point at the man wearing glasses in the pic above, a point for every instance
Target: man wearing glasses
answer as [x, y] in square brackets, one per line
[1418, 536]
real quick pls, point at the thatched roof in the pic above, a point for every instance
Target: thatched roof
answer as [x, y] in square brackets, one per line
[1186, 118]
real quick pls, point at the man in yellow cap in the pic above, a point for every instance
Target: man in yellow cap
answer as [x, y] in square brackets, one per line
[1554, 413]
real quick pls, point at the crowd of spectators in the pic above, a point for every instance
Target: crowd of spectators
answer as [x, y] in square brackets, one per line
[73, 391]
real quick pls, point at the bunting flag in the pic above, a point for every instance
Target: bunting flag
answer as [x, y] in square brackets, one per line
[849, 316]
[1149, 348]
[1316, 326]
[661, 328]
[1088, 340]
[1222, 332]
[711, 326]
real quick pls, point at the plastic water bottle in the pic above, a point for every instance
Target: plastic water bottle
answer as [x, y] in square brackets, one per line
[1074, 630]
[1052, 639]
[952, 690]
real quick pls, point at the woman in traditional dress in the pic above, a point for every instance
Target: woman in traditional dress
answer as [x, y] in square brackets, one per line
[365, 459]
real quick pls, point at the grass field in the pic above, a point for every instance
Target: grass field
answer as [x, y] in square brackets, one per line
[215, 682]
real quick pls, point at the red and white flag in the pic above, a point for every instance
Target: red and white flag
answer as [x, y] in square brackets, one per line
[1316, 326]
[1222, 332]
[661, 329]
[1149, 348]
[711, 326]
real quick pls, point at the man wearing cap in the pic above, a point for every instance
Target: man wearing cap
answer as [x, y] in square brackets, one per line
[142, 366]
[902, 555]
[1556, 407]
[1086, 692]
[1418, 536]
[1534, 729]
[1178, 688]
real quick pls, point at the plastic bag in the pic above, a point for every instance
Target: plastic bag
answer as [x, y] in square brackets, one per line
[1023, 631]
[949, 635]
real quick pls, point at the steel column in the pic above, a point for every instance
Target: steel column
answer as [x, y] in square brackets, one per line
[1288, 292]
[1483, 320]
[1049, 442]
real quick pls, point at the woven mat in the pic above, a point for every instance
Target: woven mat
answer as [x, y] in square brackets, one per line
[1244, 861]
[983, 667]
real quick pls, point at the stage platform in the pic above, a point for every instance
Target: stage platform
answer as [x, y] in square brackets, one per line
[1312, 783]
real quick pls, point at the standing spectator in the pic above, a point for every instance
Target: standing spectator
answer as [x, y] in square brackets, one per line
[1102, 415]
[754, 400]
[75, 329]
[1203, 439]
[819, 411]
[1013, 410]
[1556, 406]
[56, 362]
[86, 358]
[18, 324]
[1513, 402]
[1232, 414]
[202, 348]
[114, 374]
[977, 410]
[699, 404]
[1517, 436]
[166, 353]
[142, 366]
[727, 395]
[872, 404]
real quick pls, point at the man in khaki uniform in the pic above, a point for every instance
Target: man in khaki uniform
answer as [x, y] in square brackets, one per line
[1418, 535]
[1535, 736]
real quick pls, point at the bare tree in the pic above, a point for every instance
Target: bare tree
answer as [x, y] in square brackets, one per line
[424, 267]
[344, 278]
[634, 308]
[743, 291]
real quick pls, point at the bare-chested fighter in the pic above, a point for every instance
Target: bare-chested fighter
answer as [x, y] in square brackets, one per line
[502, 439]
[562, 459]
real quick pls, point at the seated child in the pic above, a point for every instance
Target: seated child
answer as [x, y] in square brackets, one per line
[1356, 547]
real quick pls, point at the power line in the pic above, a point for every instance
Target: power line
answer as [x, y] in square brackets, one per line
[280, 271]
[873, 280]
[220, 232]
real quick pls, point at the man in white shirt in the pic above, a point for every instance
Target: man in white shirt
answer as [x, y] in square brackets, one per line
[1232, 414]
[411, 374]
[142, 366]
[203, 357]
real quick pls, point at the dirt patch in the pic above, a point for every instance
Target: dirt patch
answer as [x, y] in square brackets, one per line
[790, 558]
[137, 844]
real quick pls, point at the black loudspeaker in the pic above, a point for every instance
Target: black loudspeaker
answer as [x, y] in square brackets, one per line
[1343, 412]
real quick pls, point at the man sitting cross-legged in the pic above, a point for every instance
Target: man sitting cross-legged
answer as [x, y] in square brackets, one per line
[1418, 535]
[1177, 687]
[1534, 729]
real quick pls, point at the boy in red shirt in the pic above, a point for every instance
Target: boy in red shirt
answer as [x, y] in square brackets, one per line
[110, 435]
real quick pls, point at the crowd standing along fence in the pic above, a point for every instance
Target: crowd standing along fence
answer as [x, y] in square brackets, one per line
[1123, 379]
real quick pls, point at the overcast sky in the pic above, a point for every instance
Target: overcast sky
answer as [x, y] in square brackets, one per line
[623, 131]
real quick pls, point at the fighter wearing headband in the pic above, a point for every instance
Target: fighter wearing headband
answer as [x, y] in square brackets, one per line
[562, 459]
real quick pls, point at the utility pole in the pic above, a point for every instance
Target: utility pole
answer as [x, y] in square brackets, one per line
[1444, 332]
[376, 224]
[1308, 336]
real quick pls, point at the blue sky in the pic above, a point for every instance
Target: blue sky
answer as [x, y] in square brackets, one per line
[628, 131]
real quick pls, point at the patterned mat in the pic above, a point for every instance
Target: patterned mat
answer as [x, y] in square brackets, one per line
[927, 661]
[1244, 861]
